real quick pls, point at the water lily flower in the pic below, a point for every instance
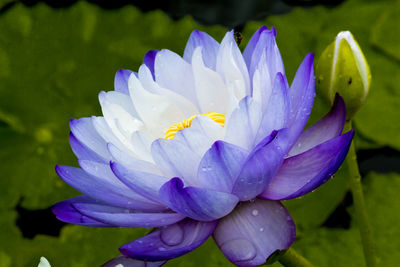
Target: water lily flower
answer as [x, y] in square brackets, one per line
[204, 145]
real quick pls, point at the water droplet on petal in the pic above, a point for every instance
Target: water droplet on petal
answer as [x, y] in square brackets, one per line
[254, 212]
[172, 235]
[162, 249]
[239, 250]
[262, 229]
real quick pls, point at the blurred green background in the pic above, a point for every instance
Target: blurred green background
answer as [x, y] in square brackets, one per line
[55, 57]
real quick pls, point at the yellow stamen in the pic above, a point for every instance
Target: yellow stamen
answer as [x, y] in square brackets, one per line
[173, 129]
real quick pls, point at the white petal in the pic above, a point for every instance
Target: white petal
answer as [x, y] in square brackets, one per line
[146, 78]
[211, 91]
[231, 65]
[175, 74]
[156, 111]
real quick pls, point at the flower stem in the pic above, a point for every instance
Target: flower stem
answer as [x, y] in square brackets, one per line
[293, 259]
[359, 204]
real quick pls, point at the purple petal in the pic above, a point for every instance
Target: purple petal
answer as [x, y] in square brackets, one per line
[149, 59]
[276, 112]
[66, 212]
[125, 217]
[244, 123]
[121, 81]
[128, 262]
[104, 190]
[251, 45]
[197, 203]
[303, 173]
[86, 134]
[143, 183]
[83, 152]
[253, 231]
[220, 165]
[325, 129]
[301, 98]
[273, 61]
[170, 242]
[209, 45]
[261, 166]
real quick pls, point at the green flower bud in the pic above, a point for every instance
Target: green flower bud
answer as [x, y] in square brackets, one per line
[342, 68]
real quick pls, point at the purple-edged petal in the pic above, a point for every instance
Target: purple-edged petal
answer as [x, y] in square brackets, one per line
[330, 126]
[197, 203]
[301, 98]
[251, 45]
[170, 242]
[66, 212]
[220, 165]
[121, 81]
[261, 166]
[126, 217]
[209, 48]
[254, 231]
[244, 123]
[116, 194]
[84, 130]
[143, 183]
[83, 152]
[303, 173]
[129, 262]
[276, 112]
[272, 62]
[149, 59]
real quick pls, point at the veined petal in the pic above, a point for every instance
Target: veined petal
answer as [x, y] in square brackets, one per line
[170, 242]
[254, 231]
[121, 81]
[175, 74]
[100, 189]
[211, 91]
[262, 81]
[303, 173]
[83, 152]
[244, 124]
[65, 212]
[261, 165]
[220, 166]
[85, 132]
[125, 217]
[141, 141]
[144, 184]
[276, 112]
[301, 98]
[330, 126]
[209, 45]
[156, 111]
[231, 66]
[185, 106]
[149, 59]
[129, 262]
[197, 203]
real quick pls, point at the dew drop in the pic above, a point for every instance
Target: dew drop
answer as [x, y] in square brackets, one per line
[140, 241]
[261, 229]
[239, 250]
[162, 249]
[172, 235]
[254, 212]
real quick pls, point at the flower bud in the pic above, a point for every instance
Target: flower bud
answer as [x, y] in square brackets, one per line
[342, 68]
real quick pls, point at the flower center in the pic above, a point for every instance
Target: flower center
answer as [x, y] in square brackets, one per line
[173, 129]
